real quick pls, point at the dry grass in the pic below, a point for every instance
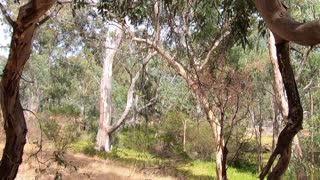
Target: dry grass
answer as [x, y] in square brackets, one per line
[87, 168]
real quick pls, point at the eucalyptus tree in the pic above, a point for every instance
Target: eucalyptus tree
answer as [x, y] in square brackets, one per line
[30, 16]
[286, 29]
[178, 32]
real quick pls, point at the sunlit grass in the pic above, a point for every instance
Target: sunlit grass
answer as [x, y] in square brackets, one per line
[127, 156]
[266, 141]
[206, 170]
[193, 170]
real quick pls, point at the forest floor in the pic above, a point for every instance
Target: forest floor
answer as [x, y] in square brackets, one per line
[81, 161]
[79, 167]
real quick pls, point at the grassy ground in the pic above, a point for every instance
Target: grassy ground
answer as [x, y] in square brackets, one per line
[181, 169]
[124, 163]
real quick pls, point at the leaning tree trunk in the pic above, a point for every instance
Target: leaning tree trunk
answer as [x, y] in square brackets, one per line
[286, 29]
[103, 141]
[20, 50]
[295, 115]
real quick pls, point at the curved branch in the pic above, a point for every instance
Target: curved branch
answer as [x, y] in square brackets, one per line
[130, 93]
[278, 19]
[170, 59]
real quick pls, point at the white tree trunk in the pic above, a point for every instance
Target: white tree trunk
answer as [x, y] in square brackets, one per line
[103, 141]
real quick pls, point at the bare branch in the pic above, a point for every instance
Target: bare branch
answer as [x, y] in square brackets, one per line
[170, 60]
[149, 57]
[7, 15]
[130, 99]
[303, 62]
[128, 105]
[150, 103]
[308, 85]
[215, 44]
[156, 15]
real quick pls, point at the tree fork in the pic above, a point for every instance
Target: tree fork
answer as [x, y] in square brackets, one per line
[295, 116]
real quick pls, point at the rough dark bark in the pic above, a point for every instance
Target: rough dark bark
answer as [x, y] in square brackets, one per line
[295, 116]
[20, 50]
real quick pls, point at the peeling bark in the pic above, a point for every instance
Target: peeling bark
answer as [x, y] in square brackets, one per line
[20, 50]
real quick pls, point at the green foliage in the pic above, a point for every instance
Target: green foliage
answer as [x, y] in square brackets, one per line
[171, 91]
[138, 137]
[62, 133]
[199, 140]
[124, 155]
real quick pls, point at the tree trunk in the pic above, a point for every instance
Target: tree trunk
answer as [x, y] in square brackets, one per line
[220, 150]
[295, 115]
[221, 155]
[20, 50]
[103, 141]
[184, 134]
[283, 104]
[260, 138]
[196, 87]
[312, 135]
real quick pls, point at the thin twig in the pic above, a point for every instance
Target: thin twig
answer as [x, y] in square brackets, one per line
[302, 63]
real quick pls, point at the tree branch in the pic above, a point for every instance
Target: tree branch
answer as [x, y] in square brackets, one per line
[278, 19]
[303, 62]
[130, 99]
[7, 15]
[215, 44]
[170, 59]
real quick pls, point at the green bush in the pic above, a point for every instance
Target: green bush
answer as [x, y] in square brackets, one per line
[200, 140]
[138, 137]
[61, 134]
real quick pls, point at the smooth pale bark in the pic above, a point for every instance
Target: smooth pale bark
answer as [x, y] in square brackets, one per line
[191, 79]
[103, 141]
[276, 123]
[20, 50]
[184, 122]
[106, 127]
[278, 19]
[277, 79]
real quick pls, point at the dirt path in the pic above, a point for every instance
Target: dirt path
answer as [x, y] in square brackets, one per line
[87, 168]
